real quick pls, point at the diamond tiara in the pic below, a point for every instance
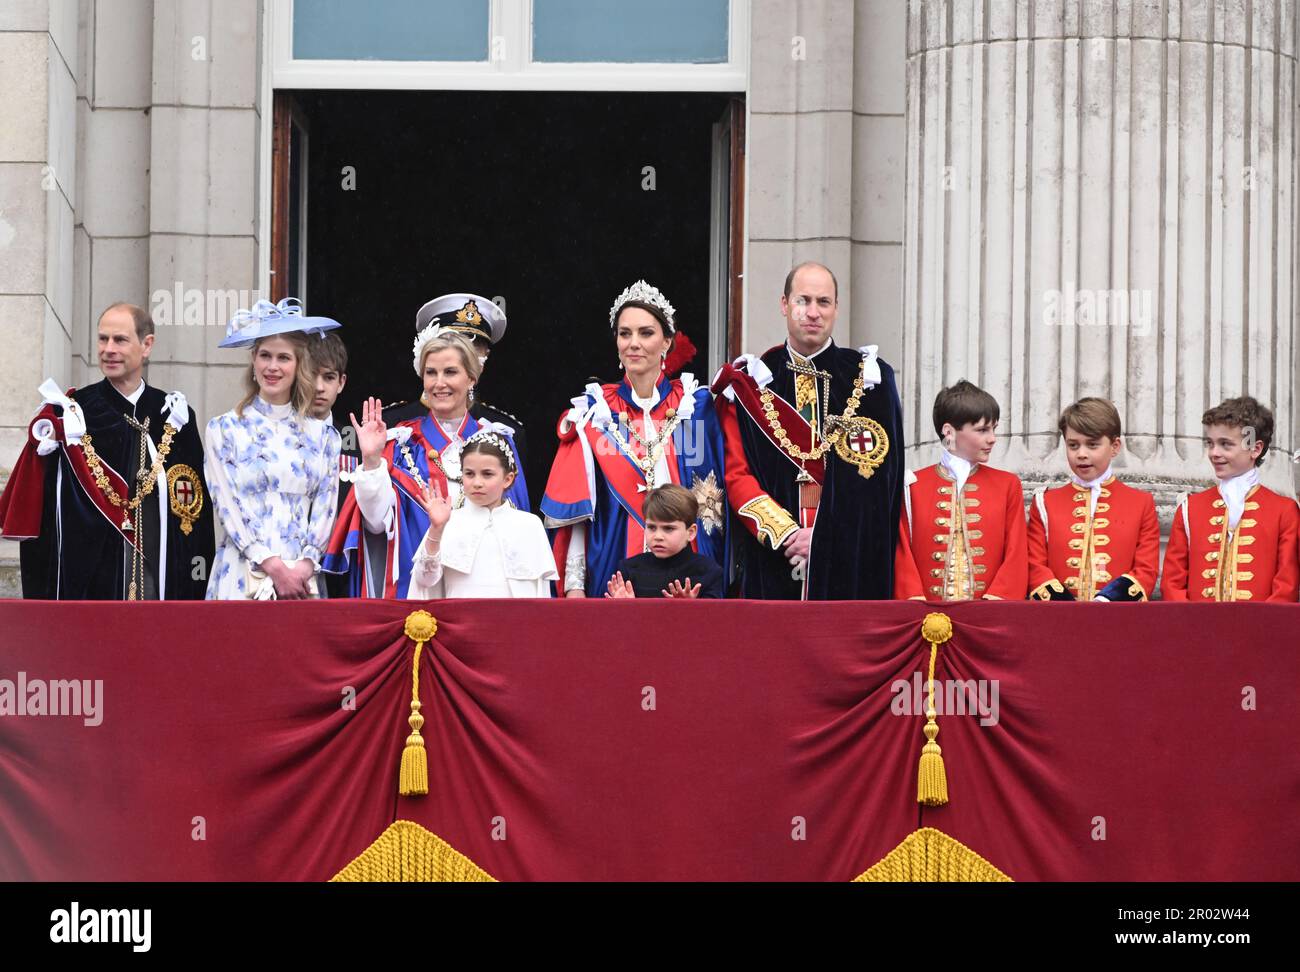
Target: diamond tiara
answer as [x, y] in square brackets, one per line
[497, 440]
[645, 294]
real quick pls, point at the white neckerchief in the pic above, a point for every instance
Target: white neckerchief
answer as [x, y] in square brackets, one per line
[451, 428]
[959, 468]
[1092, 485]
[1234, 492]
[646, 404]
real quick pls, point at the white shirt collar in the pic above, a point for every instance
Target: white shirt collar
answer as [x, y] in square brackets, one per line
[808, 357]
[1092, 485]
[959, 468]
[1234, 492]
[134, 397]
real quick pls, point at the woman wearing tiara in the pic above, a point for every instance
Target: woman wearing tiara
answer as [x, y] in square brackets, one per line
[383, 519]
[620, 440]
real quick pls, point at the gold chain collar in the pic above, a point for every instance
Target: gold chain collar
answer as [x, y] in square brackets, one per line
[654, 448]
[146, 486]
[831, 434]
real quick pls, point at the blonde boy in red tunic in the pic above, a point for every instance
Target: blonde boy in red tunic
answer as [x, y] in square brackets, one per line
[1093, 538]
[962, 531]
[1235, 541]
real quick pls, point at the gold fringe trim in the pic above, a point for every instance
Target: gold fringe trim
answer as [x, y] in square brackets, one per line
[408, 852]
[931, 855]
[931, 779]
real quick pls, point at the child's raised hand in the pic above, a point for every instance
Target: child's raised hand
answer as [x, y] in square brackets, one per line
[436, 506]
[618, 587]
[678, 589]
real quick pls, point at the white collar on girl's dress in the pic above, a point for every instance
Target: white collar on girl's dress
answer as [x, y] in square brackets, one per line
[525, 553]
[959, 468]
[1234, 492]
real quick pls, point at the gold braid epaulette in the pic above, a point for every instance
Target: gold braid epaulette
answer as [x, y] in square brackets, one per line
[105, 487]
[830, 434]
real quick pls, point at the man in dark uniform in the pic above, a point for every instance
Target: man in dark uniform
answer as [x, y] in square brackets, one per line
[480, 320]
[814, 439]
[108, 496]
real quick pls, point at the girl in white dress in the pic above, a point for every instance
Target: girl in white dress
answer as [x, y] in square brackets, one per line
[485, 547]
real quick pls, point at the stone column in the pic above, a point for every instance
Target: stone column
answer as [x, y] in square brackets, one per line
[202, 192]
[38, 163]
[1101, 201]
[825, 162]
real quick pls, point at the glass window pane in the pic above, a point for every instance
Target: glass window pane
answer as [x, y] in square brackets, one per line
[390, 30]
[682, 31]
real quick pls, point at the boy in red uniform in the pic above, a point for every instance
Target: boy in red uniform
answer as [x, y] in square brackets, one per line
[962, 532]
[1094, 538]
[1235, 541]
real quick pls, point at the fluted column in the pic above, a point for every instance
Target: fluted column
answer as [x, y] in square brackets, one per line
[1101, 201]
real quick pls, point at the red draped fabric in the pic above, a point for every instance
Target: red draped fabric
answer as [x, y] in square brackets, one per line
[1127, 717]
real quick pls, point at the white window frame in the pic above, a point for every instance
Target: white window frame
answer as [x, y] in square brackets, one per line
[509, 22]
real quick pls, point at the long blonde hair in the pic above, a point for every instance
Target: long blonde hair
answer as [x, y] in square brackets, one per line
[304, 379]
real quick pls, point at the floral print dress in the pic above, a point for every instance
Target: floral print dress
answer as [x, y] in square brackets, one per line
[273, 477]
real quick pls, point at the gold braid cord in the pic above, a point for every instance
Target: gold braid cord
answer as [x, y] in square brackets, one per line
[931, 855]
[413, 779]
[932, 780]
[408, 852]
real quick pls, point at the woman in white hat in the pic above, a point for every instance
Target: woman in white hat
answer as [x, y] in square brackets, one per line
[271, 467]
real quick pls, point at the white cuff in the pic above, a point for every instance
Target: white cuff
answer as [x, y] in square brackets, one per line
[374, 491]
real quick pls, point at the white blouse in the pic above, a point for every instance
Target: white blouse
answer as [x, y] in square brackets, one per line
[501, 552]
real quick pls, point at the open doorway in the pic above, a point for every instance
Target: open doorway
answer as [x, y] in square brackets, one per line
[554, 201]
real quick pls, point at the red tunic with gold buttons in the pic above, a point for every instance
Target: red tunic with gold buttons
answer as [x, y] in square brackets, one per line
[1256, 562]
[959, 548]
[1085, 550]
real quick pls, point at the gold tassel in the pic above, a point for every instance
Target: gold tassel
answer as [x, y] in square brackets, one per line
[932, 779]
[413, 779]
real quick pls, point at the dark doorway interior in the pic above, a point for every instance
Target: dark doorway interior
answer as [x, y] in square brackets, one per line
[535, 197]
